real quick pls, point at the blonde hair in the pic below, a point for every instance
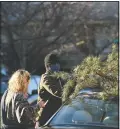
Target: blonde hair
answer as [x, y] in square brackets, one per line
[16, 82]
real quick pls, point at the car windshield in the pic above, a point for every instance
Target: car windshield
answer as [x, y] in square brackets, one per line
[87, 111]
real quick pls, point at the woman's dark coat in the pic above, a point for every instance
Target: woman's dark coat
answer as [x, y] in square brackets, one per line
[17, 113]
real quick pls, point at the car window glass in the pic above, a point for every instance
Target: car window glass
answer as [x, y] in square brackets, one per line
[3, 87]
[34, 83]
[87, 110]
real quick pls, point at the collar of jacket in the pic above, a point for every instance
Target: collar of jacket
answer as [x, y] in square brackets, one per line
[49, 72]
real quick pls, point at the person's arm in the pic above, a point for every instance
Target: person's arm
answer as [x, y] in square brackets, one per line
[47, 82]
[46, 90]
[25, 112]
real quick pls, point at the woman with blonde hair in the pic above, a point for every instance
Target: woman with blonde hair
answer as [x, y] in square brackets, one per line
[16, 112]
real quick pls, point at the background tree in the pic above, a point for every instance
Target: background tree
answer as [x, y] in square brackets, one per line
[30, 30]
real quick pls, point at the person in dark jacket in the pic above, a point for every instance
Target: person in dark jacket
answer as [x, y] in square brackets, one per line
[16, 112]
[50, 89]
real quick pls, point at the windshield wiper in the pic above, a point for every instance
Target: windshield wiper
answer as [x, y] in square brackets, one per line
[103, 116]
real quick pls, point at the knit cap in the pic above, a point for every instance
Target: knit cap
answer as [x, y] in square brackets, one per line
[51, 58]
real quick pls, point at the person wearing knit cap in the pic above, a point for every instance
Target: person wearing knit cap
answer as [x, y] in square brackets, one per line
[52, 62]
[50, 89]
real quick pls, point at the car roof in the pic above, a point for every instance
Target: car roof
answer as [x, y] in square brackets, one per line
[90, 91]
[35, 76]
[93, 93]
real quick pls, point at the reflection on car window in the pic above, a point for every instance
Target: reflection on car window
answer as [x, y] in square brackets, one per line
[87, 111]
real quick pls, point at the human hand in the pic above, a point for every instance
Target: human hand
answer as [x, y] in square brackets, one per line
[26, 95]
[42, 103]
[36, 125]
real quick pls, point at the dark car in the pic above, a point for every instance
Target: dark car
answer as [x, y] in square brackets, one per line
[86, 111]
[3, 84]
[33, 89]
[33, 99]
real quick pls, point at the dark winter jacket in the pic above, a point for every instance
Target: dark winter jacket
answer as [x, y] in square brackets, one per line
[50, 91]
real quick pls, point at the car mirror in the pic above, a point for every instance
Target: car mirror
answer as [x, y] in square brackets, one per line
[34, 92]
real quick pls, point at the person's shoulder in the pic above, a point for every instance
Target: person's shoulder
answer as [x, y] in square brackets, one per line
[20, 96]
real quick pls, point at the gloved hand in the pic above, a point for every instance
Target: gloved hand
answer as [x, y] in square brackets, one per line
[42, 103]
